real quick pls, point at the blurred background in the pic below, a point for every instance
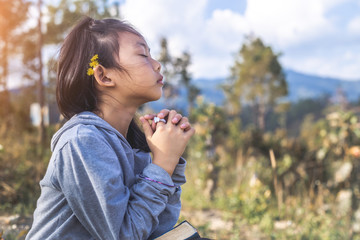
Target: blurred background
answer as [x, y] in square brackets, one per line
[272, 88]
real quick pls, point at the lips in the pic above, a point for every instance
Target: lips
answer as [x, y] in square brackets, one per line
[160, 80]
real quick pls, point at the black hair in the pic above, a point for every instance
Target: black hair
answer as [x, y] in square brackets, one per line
[75, 90]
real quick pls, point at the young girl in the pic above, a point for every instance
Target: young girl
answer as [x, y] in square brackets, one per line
[101, 182]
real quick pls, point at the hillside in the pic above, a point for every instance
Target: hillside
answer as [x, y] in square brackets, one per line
[300, 85]
[308, 86]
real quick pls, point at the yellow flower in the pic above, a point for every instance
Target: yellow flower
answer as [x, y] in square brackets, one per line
[94, 58]
[93, 63]
[90, 71]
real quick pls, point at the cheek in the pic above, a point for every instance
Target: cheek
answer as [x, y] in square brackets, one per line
[144, 77]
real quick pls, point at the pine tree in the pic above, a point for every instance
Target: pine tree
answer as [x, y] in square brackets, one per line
[257, 79]
[182, 65]
[176, 73]
[66, 13]
[10, 33]
[168, 71]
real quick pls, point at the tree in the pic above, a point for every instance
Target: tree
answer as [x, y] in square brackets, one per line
[181, 65]
[170, 92]
[211, 134]
[64, 15]
[10, 22]
[62, 18]
[257, 79]
[175, 71]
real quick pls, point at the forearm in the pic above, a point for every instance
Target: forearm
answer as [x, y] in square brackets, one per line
[169, 217]
[178, 176]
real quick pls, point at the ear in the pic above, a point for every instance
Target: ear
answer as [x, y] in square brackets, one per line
[101, 78]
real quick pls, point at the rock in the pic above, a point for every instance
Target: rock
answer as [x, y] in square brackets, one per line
[343, 173]
[281, 225]
[356, 222]
[213, 218]
[343, 200]
[9, 219]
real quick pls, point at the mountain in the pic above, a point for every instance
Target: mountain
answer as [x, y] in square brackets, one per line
[300, 86]
[309, 86]
[210, 90]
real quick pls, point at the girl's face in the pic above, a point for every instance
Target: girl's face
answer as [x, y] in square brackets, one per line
[142, 81]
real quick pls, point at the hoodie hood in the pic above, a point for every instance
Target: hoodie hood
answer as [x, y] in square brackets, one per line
[85, 118]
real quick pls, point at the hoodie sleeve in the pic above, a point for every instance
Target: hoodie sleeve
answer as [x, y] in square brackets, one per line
[169, 217]
[91, 179]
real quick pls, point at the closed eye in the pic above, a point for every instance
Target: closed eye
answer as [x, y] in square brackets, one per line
[143, 55]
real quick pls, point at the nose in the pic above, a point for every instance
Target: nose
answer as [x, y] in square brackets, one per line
[157, 66]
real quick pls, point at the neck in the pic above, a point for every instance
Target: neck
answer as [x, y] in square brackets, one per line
[119, 117]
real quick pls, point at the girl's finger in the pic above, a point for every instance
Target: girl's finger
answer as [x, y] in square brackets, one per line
[149, 116]
[163, 113]
[176, 119]
[185, 126]
[153, 126]
[190, 132]
[147, 128]
[183, 121]
[171, 115]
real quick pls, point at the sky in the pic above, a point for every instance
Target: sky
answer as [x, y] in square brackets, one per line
[318, 37]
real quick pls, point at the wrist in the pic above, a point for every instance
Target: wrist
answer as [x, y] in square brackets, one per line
[168, 169]
[169, 164]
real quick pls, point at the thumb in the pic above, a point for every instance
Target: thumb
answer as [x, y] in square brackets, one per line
[146, 126]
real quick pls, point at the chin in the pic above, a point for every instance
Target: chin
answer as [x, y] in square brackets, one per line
[153, 98]
[158, 96]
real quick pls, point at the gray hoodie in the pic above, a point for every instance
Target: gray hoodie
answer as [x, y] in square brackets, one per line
[92, 188]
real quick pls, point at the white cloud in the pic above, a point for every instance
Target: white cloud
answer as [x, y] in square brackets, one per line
[222, 35]
[337, 63]
[354, 26]
[210, 41]
[174, 19]
[304, 26]
[297, 25]
[287, 23]
[210, 66]
[225, 30]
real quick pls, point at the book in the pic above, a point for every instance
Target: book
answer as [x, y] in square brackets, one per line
[183, 231]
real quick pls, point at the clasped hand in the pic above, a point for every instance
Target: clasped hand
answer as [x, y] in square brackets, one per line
[167, 141]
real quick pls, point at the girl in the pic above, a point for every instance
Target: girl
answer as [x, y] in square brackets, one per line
[101, 182]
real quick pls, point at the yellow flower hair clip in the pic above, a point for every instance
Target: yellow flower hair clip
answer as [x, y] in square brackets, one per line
[93, 63]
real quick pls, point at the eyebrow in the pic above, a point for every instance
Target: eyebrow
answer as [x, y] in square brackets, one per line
[143, 45]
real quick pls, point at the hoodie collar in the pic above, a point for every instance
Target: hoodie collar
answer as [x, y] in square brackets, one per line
[85, 118]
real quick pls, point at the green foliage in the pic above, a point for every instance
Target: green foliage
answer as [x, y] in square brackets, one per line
[10, 24]
[306, 171]
[23, 166]
[65, 13]
[175, 71]
[181, 65]
[10, 34]
[211, 131]
[22, 159]
[256, 79]
[304, 107]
